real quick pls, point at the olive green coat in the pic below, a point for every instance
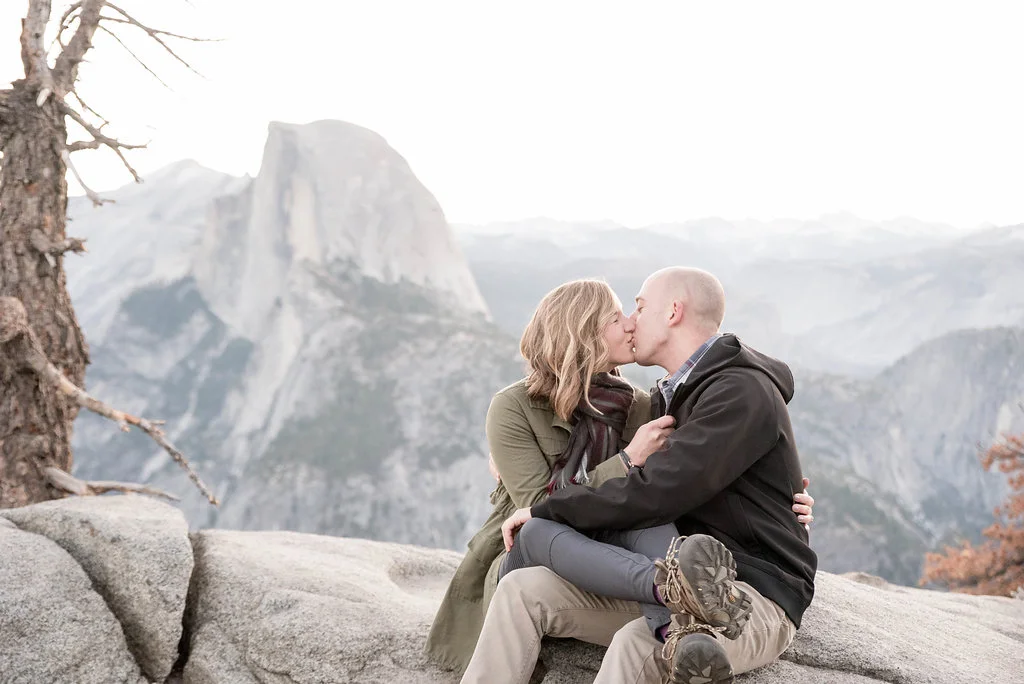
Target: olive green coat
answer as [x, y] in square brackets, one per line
[526, 438]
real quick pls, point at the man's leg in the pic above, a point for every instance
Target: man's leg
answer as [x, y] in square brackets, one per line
[529, 604]
[634, 656]
[768, 633]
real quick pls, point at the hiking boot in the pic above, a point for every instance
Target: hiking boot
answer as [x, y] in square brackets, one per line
[695, 657]
[696, 579]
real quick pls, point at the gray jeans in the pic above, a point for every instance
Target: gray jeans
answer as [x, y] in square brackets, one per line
[616, 564]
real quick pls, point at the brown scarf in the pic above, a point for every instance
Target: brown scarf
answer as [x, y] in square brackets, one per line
[595, 434]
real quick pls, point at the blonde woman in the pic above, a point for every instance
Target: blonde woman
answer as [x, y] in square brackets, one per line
[565, 423]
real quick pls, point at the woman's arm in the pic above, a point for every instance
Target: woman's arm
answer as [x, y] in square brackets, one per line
[612, 468]
[524, 470]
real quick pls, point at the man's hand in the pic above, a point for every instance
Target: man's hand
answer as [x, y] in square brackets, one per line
[803, 506]
[509, 527]
[492, 466]
[649, 437]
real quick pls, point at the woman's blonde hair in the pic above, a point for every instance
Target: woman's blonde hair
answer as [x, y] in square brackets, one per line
[563, 344]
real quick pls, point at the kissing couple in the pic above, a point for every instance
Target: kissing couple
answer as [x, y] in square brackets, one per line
[671, 527]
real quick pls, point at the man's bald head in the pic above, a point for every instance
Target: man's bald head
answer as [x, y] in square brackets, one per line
[701, 293]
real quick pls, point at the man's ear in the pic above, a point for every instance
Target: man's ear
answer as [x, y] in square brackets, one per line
[677, 312]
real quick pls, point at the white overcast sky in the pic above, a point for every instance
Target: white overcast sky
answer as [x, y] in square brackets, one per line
[638, 112]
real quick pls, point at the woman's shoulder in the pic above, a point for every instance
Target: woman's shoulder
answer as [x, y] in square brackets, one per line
[515, 395]
[517, 390]
[515, 400]
[512, 399]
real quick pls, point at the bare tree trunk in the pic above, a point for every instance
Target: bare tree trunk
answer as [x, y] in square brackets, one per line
[43, 354]
[35, 421]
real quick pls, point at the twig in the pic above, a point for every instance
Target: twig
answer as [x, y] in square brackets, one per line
[90, 110]
[72, 485]
[155, 34]
[15, 331]
[112, 143]
[66, 21]
[96, 200]
[128, 19]
[137, 58]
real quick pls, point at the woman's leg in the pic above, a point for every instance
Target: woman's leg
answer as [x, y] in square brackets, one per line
[651, 542]
[533, 603]
[594, 566]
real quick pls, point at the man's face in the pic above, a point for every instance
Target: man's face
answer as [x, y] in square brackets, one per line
[650, 320]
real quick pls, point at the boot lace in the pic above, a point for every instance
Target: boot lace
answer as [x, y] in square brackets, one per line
[673, 591]
[668, 649]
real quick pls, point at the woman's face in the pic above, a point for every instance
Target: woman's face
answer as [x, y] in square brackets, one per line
[618, 338]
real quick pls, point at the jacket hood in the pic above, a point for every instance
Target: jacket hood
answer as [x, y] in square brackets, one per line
[729, 352]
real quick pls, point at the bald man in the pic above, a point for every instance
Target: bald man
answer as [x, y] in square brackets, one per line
[692, 567]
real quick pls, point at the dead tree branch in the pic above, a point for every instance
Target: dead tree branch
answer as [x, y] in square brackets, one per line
[96, 200]
[134, 56]
[65, 69]
[66, 21]
[23, 347]
[114, 144]
[72, 485]
[83, 145]
[90, 110]
[155, 34]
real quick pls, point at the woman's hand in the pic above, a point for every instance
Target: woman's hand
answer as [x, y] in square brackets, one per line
[649, 437]
[509, 527]
[803, 505]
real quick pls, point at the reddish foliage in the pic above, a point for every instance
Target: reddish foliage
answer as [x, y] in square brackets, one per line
[995, 567]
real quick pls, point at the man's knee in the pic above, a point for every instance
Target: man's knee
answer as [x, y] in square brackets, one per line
[631, 655]
[634, 636]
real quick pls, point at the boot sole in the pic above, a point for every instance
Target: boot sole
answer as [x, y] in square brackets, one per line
[699, 659]
[709, 569]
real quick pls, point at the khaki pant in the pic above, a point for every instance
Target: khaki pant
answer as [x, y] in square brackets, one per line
[533, 602]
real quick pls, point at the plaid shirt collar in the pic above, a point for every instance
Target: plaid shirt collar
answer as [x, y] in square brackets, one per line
[669, 385]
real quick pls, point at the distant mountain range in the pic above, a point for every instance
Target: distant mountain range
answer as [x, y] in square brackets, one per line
[835, 295]
[312, 336]
[324, 346]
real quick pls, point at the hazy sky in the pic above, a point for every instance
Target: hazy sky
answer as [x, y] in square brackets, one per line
[632, 111]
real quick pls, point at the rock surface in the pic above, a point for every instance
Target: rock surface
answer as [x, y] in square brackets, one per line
[899, 634]
[137, 554]
[287, 607]
[291, 607]
[53, 626]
